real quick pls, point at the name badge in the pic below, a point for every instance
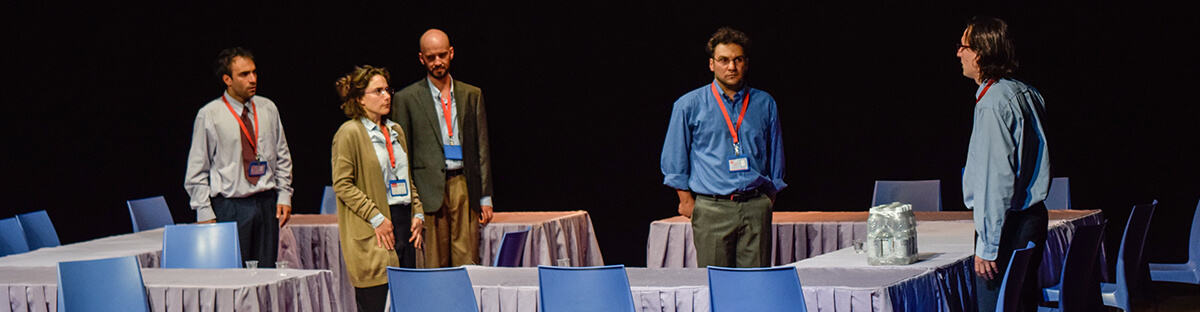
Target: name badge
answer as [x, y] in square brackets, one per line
[257, 168]
[398, 188]
[739, 164]
[453, 152]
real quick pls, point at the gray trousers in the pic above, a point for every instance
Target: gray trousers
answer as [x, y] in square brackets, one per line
[732, 234]
[258, 229]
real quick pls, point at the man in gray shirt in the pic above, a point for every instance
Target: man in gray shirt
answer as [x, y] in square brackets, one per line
[239, 167]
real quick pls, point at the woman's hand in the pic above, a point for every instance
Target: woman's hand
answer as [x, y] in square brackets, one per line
[383, 235]
[417, 229]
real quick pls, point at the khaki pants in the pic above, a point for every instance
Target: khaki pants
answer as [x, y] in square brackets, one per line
[732, 234]
[452, 233]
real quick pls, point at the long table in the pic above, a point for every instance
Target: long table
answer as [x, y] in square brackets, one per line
[840, 280]
[36, 289]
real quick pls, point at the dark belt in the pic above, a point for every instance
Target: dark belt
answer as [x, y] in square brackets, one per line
[453, 173]
[736, 196]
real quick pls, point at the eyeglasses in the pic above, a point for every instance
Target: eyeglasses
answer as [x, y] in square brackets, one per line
[963, 46]
[381, 91]
[725, 60]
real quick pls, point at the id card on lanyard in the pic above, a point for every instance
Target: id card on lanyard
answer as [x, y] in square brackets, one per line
[396, 187]
[453, 151]
[258, 167]
[737, 162]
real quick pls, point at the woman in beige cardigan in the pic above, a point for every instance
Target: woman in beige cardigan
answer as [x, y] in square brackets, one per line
[374, 192]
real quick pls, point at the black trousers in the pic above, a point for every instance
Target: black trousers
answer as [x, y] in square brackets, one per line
[374, 298]
[258, 229]
[1020, 228]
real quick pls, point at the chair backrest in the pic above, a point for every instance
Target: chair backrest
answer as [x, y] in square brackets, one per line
[12, 237]
[1194, 242]
[201, 246]
[1060, 194]
[1014, 280]
[755, 289]
[1080, 286]
[39, 232]
[441, 289]
[925, 195]
[1133, 273]
[113, 284]
[149, 213]
[329, 201]
[584, 289]
[512, 247]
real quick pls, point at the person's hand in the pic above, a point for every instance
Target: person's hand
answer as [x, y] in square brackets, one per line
[209, 221]
[985, 268]
[486, 215]
[283, 213]
[383, 235]
[417, 230]
[686, 207]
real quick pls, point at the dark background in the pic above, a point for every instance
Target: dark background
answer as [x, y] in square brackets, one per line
[101, 99]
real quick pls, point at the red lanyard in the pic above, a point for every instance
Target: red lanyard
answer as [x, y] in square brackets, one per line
[447, 114]
[745, 101]
[985, 88]
[387, 139]
[245, 131]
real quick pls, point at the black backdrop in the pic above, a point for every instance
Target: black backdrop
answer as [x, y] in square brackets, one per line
[101, 99]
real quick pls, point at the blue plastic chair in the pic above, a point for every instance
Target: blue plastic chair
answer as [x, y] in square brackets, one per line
[1133, 276]
[1078, 287]
[329, 201]
[755, 289]
[12, 237]
[149, 213]
[113, 284]
[442, 289]
[584, 289]
[201, 246]
[1187, 272]
[39, 231]
[925, 195]
[1059, 197]
[512, 247]
[1014, 280]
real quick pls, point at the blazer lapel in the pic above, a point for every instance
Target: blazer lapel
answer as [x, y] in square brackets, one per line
[430, 111]
[460, 98]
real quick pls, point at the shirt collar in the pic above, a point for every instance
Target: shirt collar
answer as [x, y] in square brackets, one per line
[437, 94]
[237, 106]
[736, 95]
[372, 126]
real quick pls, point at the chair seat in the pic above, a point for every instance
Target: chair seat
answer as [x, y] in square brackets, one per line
[1051, 294]
[1047, 309]
[1175, 272]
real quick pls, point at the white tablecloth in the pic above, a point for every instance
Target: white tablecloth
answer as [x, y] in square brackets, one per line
[147, 246]
[36, 289]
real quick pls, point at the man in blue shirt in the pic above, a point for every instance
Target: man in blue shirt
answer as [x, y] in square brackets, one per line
[724, 156]
[1007, 175]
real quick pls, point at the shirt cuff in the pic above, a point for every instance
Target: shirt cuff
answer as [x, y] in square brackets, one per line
[285, 198]
[377, 220]
[485, 201]
[420, 216]
[205, 214]
[677, 181]
[984, 251]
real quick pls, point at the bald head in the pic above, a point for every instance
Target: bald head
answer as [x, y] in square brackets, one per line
[434, 38]
[436, 54]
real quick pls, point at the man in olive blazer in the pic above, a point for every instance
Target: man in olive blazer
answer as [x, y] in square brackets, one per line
[456, 192]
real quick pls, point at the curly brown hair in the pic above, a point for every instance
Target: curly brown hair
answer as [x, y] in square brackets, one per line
[727, 35]
[353, 86]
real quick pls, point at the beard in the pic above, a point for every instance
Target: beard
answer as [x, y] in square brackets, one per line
[439, 73]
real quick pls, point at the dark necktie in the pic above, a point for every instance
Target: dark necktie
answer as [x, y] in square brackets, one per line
[248, 152]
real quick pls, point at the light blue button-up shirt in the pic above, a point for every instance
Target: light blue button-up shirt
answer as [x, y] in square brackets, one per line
[451, 164]
[698, 145]
[1008, 164]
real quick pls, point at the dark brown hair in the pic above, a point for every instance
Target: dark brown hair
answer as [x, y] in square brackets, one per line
[989, 38]
[727, 35]
[353, 86]
[225, 60]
